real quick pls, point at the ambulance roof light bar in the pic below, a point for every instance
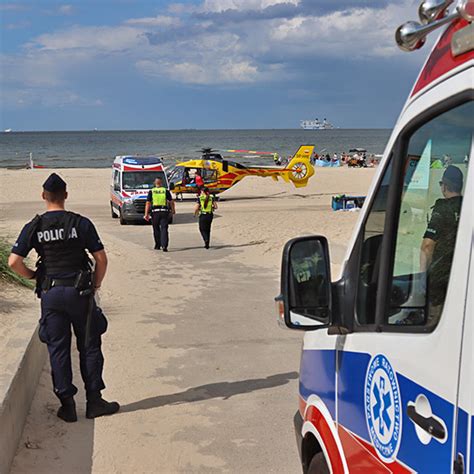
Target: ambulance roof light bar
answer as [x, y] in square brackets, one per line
[433, 14]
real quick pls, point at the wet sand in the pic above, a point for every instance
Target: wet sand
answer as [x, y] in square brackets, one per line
[206, 379]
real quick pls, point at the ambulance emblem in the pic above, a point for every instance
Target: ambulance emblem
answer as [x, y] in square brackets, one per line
[383, 408]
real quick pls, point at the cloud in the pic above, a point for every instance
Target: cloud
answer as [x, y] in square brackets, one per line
[13, 7]
[66, 10]
[160, 20]
[92, 39]
[225, 72]
[214, 43]
[225, 5]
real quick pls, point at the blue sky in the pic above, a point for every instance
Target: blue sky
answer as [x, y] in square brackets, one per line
[133, 64]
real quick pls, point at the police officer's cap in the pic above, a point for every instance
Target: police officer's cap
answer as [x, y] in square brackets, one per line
[54, 183]
[453, 175]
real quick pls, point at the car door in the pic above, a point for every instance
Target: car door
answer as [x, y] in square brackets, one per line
[398, 368]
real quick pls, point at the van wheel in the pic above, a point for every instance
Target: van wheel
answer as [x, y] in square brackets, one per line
[122, 220]
[318, 465]
[112, 212]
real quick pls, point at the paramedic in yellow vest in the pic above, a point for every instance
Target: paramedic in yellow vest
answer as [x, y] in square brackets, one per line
[205, 208]
[161, 206]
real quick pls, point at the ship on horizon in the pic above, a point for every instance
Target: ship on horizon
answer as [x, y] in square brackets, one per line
[316, 125]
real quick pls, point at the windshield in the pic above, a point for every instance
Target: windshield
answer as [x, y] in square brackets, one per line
[141, 179]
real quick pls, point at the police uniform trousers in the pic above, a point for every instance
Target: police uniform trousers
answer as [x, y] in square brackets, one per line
[61, 308]
[160, 220]
[205, 222]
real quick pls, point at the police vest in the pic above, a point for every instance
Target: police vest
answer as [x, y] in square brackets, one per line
[58, 244]
[202, 204]
[158, 197]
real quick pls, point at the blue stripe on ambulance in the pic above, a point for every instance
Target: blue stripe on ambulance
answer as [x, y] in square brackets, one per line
[317, 376]
[318, 369]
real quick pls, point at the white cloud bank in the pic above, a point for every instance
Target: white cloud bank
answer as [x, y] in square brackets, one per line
[187, 47]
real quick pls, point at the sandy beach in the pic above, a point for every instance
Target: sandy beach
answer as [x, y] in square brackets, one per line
[206, 379]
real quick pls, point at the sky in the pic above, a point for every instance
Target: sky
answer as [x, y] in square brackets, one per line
[204, 64]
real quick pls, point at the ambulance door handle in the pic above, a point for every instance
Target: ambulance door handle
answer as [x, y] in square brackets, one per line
[430, 425]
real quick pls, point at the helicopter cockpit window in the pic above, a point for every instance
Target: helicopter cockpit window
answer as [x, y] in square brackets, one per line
[209, 176]
[176, 174]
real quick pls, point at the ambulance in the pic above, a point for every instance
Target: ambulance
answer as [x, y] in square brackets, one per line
[387, 372]
[132, 179]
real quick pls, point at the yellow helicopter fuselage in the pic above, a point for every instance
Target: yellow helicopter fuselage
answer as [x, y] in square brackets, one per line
[219, 175]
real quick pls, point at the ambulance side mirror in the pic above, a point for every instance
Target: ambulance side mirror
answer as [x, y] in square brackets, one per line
[116, 187]
[305, 299]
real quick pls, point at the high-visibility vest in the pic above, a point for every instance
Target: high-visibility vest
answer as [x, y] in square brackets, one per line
[202, 200]
[158, 197]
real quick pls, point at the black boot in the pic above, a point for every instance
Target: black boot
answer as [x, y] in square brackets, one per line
[67, 410]
[96, 406]
[206, 245]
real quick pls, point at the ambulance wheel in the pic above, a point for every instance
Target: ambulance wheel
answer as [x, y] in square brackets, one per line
[318, 465]
[122, 220]
[114, 216]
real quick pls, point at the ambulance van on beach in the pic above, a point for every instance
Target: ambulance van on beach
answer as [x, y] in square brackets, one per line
[387, 371]
[132, 179]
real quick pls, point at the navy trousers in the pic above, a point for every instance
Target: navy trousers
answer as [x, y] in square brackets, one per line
[160, 221]
[205, 222]
[63, 308]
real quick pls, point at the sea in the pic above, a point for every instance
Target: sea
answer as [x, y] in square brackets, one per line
[97, 149]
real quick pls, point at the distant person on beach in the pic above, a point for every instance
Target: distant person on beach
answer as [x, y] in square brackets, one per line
[205, 208]
[160, 207]
[66, 285]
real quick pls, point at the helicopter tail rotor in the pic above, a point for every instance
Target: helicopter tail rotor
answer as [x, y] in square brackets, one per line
[300, 167]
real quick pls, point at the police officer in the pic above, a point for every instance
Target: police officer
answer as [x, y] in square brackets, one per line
[66, 285]
[160, 203]
[205, 208]
[437, 248]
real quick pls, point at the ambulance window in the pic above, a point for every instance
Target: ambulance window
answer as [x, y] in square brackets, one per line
[116, 178]
[370, 254]
[435, 170]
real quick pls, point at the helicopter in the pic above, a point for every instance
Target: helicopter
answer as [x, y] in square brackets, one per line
[219, 174]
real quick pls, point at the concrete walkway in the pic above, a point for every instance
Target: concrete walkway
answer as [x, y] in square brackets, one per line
[206, 379]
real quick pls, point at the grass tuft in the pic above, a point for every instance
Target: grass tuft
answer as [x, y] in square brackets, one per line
[6, 274]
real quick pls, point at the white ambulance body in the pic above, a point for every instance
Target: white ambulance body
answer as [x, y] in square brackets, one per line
[387, 370]
[132, 179]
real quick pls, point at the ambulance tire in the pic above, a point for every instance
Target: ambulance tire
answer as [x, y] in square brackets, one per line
[122, 220]
[114, 216]
[318, 465]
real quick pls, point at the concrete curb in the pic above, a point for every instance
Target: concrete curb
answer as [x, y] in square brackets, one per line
[15, 406]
